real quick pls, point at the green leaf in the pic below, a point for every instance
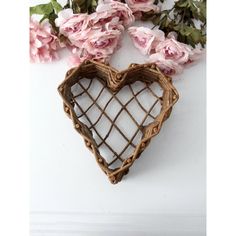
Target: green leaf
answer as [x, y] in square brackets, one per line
[51, 18]
[182, 18]
[196, 35]
[198, 9]
[42, 9]
[57, 7]
[76, 6]
[156, 20]
[182, 3]
[88, 3]
[94, 3]
[84, 6]
[201, 6]
[43, 18]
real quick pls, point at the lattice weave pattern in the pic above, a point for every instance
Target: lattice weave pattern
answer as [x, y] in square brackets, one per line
[106, 89]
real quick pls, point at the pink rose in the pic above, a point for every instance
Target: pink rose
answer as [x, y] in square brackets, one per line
[145, 39]
[196, 53]
[104, 20]
[114, 24]
[43, 43]
[73, 26]
[99, 19]
[80, 55]
[142, 5]
[193, 53]
[171, 55]
[113, 9]
[102, 43]
[173, 50]
[167, 66]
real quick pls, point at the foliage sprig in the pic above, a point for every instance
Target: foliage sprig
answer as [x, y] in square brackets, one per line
[187, 18]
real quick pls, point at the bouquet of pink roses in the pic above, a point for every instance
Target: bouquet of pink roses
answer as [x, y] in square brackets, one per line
[94, 31]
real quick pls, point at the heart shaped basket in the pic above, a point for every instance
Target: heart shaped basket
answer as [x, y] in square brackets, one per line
[96, 96]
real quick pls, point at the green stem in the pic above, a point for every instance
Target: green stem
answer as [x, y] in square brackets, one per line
[154, 27]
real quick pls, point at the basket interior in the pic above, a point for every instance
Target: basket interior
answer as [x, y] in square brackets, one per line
[116, 119]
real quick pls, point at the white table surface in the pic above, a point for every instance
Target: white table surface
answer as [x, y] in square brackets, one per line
[165, 185]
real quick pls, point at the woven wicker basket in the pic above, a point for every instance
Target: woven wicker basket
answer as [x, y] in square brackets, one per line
[105, 78]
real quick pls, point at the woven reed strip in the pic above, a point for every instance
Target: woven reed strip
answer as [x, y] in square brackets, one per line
[108, 117]
[95, 128]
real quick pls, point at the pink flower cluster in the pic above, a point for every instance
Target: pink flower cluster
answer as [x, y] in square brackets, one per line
[43, 43]
[95, 36]
[138, 6]
[169, 54]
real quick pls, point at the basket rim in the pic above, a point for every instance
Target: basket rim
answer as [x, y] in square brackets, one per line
[171, 97]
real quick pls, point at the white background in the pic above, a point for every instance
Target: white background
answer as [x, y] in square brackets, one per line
[166, 185]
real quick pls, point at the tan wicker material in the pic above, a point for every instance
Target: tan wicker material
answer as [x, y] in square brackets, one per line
[106, 79]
